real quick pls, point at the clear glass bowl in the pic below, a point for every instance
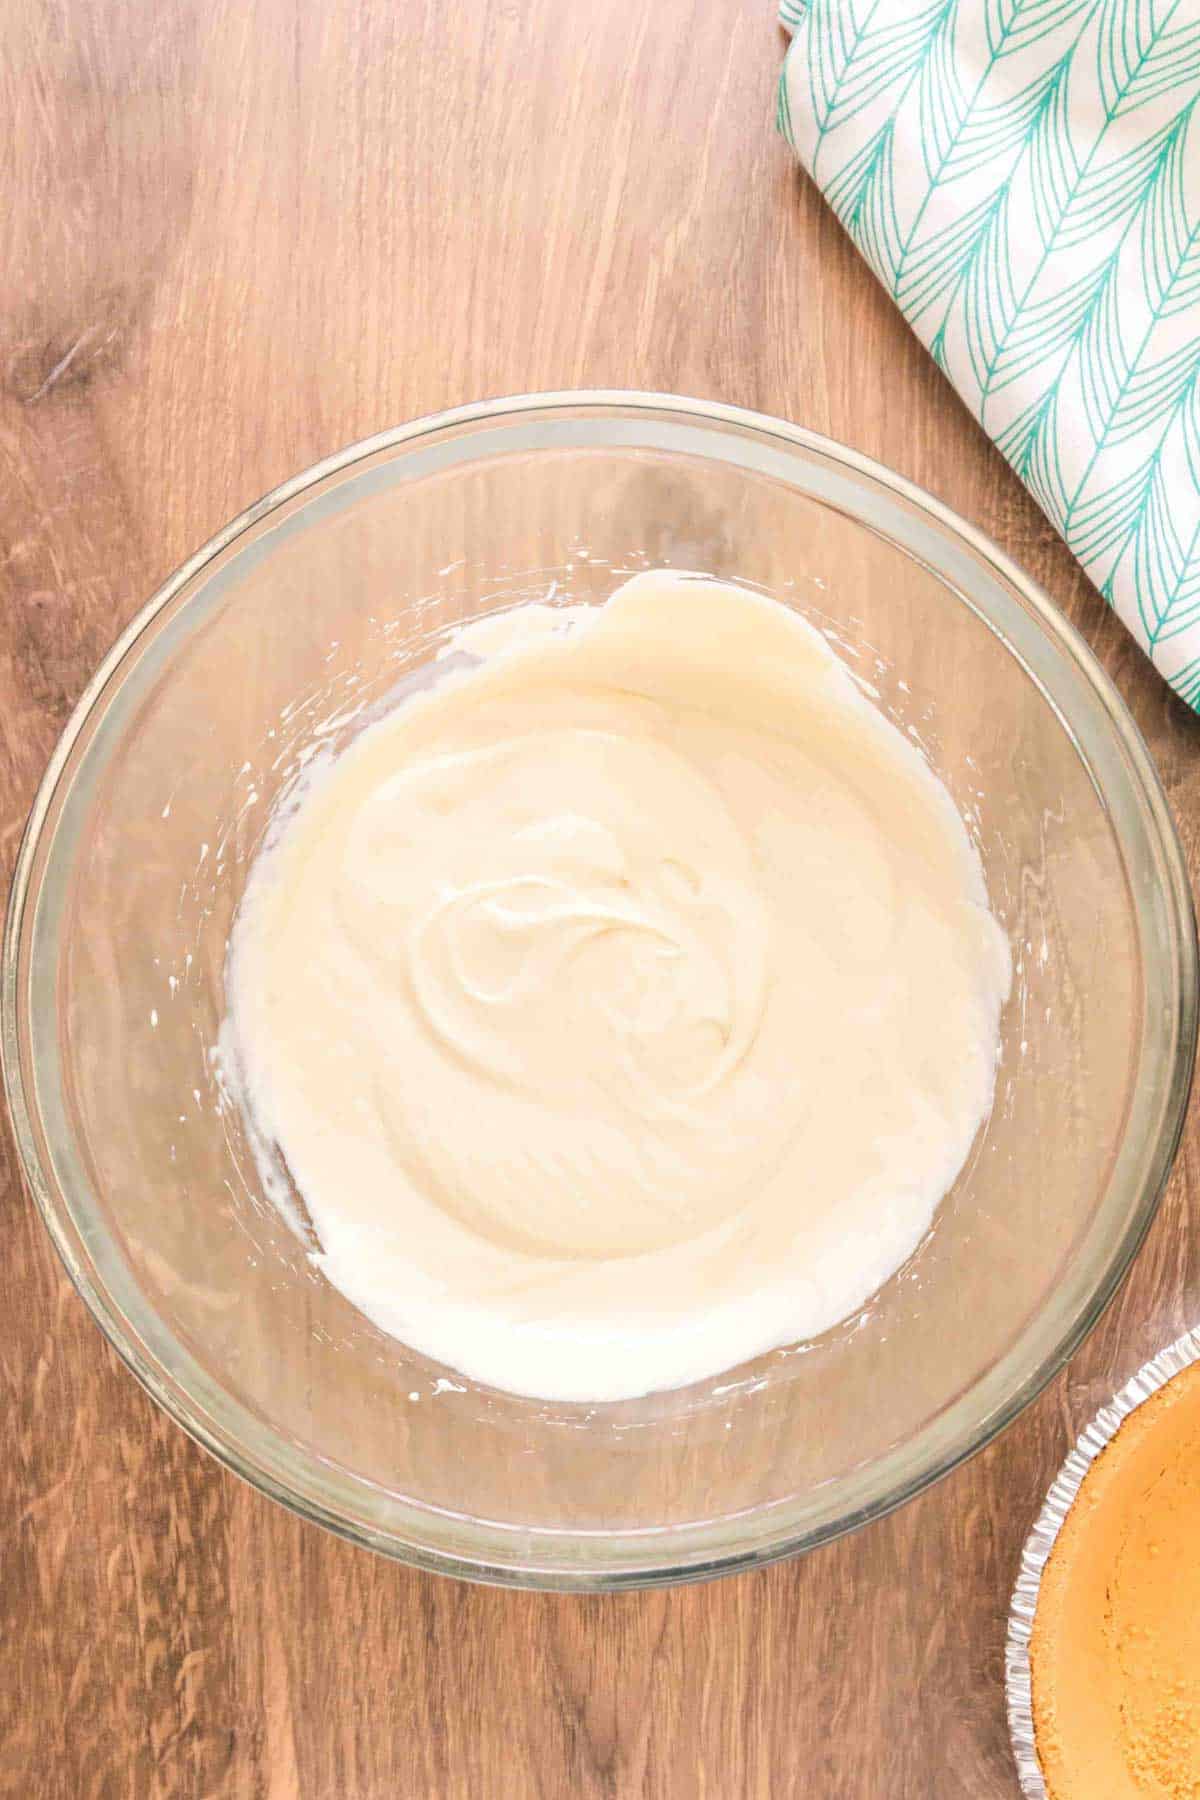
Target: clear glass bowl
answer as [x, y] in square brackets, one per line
[325, 600]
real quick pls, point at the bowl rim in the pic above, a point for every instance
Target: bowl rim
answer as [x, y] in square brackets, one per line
[705, 1558]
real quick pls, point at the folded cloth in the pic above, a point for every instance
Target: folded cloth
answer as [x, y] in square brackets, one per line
[1024, 178]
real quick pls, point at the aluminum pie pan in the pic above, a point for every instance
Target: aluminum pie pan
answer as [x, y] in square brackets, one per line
[1152, 1376]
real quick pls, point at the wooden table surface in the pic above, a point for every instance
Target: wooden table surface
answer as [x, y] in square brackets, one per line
[233, 237]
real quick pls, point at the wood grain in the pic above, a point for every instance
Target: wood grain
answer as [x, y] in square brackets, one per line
[232, 238]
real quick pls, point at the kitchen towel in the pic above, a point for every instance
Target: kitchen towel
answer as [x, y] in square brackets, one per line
[1023, 176]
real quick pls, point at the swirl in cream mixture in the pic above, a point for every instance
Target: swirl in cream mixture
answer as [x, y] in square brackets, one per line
[622, 1007]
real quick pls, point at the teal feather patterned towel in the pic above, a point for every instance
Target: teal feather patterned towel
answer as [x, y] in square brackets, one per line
[1024, 178]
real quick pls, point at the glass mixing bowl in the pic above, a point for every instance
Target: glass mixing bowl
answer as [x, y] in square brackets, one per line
[327, 600]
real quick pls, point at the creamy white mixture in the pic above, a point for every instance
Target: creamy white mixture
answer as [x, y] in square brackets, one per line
[623, 1006]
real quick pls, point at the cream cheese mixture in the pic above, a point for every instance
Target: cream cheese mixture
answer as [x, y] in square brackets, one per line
[623, 1006]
